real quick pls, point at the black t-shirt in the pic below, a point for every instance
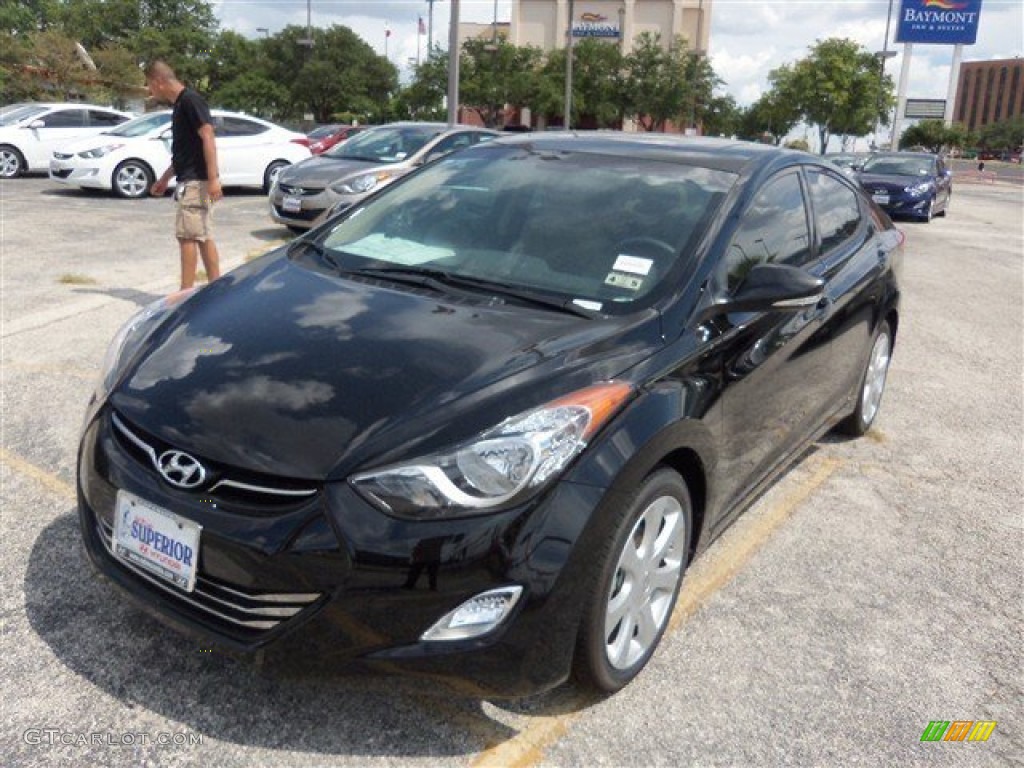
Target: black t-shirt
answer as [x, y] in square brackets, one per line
[187, 157]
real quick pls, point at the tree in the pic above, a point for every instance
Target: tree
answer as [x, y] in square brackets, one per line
[423, 98]
[118, 74]
[656, 85]
[1004, 136]
[598, 84]
[721, 117]
[493, 74]
[835, 88]
[934, 136]
[771, 115]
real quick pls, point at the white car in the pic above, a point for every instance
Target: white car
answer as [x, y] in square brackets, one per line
[129, 158]
[29, 132]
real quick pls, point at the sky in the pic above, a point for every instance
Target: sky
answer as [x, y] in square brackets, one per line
[749, 38]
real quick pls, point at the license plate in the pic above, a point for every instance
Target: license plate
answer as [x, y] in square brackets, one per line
[157, 540]
[292, 204]
[881, 199]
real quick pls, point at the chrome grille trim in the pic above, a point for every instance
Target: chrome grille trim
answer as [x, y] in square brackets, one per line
[275, 614]
[154, 459]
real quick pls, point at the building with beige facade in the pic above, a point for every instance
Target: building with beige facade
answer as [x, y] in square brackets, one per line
[543, 22]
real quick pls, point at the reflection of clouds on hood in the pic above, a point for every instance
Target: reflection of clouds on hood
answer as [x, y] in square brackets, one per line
[331, 311]
[272, 282]
[176, 358]
[262, 391]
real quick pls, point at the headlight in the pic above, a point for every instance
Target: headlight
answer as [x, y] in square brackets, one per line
[131, 335]
[919, 189]
[361, 184]
[92, 154]
[510, 461]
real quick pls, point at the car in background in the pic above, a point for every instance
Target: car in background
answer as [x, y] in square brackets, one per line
[127, 159]
[321, 144]
[368, 161]
[29, 133]
[916, 185]
[477, 426]
[848, 161]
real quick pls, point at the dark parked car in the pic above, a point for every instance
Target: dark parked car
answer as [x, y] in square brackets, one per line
[913, 184]
[477, 425]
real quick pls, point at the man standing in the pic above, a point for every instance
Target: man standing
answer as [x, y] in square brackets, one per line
[194, 164]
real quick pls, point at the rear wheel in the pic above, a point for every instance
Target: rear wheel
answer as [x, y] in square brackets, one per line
[271, 174]
[12, 162]
[872, 385]
[132, 179]
[641, 567]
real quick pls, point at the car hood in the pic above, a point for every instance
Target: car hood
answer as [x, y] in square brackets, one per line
[282, 369]
[319, 171]
[890, 181]
[97, 140]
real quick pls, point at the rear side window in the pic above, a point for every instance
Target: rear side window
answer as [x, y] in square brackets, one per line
[237, 126]
[836, 210]
[773, 231]
[102, 118]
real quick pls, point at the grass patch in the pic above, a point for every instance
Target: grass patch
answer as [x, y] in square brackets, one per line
[69, 278]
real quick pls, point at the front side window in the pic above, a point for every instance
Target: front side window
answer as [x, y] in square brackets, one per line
[609, 233]
[140, 126]
[65, 118]
[836, 210]
[773, 230]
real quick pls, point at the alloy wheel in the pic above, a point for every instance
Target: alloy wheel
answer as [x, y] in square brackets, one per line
[131, 180]
[10, 163]
[874, 379]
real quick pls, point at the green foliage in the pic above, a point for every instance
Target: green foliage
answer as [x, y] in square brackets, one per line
[656, 85]
[800, 144]
[496, 74]
[771, 115]
[837, 88]
[1006, 135]
[934, 136]
[423, 98]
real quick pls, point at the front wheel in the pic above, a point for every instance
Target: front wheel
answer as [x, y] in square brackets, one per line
[132, 179]
[872, 385]
[641, 568]
[12, 164]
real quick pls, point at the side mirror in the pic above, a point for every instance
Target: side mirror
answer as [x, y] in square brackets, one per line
[770, 288]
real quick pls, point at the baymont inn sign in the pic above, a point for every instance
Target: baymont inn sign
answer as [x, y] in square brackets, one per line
[945, 22]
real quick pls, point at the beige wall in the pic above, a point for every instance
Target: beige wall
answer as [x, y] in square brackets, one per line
[543, 22]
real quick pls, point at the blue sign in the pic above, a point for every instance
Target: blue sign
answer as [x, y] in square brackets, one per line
[945, 22]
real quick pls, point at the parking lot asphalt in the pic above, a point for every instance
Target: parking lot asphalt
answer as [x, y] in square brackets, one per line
[876, 587]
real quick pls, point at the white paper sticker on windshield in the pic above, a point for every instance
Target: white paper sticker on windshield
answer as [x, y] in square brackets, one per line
[394, 249]
[634, 264]
[588, 304]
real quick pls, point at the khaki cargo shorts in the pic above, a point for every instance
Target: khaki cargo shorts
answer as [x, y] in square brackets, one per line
[195, 211]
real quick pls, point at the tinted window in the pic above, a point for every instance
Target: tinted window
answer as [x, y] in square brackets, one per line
[237, 126]
[101, 118]
[140, 126]
[66, 118]
[835, 209]
[452, 143]
[773, 231]
[387, 144]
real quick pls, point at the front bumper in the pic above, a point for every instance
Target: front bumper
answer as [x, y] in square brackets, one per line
[65, 172]
[299, 207]
[902, 204]
[329, 580]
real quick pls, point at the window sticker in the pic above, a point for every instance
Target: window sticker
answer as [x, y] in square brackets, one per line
[588, 304]
[624, 280]
[634, 264]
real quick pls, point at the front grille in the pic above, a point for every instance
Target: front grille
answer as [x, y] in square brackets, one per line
[61, 174]
[242, 490]
[294, 191]
[302, 215]
[238, 609]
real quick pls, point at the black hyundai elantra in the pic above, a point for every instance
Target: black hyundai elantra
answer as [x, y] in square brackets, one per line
[477, 426]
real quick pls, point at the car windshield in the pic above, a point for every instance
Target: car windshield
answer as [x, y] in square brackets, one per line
[603, 232]
[140, 126]
[391, 144]
[18, 113]
[900, 166]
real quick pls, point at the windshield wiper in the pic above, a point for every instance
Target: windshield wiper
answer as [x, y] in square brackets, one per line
[426, 275]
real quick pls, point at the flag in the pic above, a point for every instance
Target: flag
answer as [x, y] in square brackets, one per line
[423, 27]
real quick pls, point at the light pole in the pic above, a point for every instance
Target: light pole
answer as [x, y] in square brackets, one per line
[453, 65]
[882, 55]
[568, 70]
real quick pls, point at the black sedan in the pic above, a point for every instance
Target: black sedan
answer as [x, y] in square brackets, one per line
[913, 184]
[477, 426]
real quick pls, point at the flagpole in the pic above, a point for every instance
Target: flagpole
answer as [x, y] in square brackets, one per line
[419, 34]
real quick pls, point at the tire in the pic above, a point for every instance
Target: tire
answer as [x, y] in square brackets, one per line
[945, 208]
[132, 180]
[636, 584]
[271, 174]
[12, 162]
[872, 385]
[928, 212]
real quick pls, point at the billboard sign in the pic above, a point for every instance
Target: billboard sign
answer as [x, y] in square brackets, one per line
[925, 109]
[594, 25]
[944, 22]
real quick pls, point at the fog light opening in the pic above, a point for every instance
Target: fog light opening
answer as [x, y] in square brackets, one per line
[475, 617]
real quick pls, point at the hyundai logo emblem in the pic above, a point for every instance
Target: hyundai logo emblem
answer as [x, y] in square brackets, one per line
[180, 469]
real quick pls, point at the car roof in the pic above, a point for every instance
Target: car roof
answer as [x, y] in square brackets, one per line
[720, 154]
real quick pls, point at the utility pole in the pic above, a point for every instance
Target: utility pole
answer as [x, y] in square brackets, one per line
[430, 26]
[453, 65]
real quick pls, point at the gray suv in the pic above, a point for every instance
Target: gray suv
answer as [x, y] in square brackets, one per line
[361, 165]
